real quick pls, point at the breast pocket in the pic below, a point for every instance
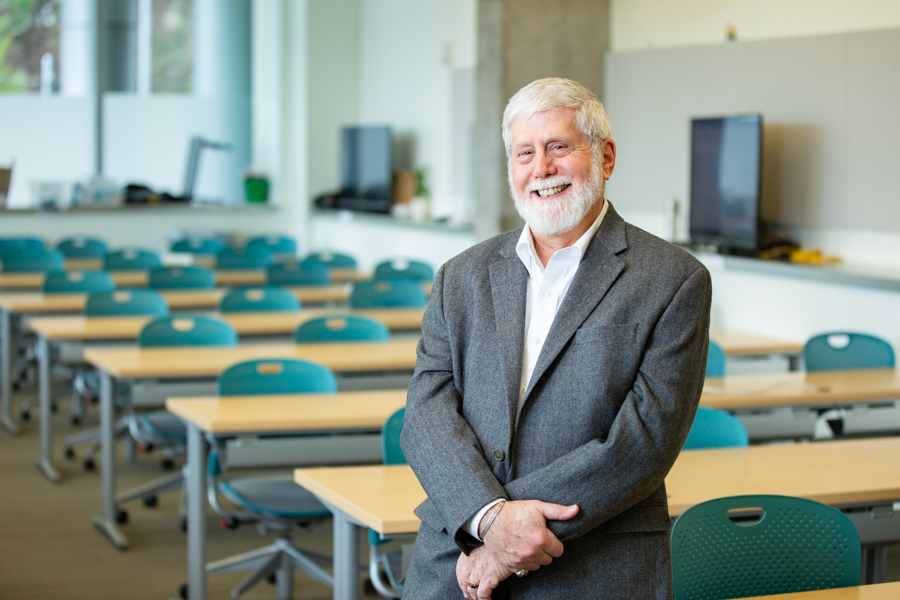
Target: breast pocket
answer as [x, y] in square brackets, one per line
[624, 334]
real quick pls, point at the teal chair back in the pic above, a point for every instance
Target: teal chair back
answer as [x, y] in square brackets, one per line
[388, 293]
[275, 244]
[72, 282]
[276, 376]
[167, 278]
[341, 328]
[798, 545]
[247, 258]
[197, 245]
[716, 429]
[259, 299]
[24, 244]
[82, 247]
[841, 351]
[21, 260]
[118, 303]
[296, 273]
[131, 259]
[187, 331]
[715, 360]
[331, 260]
[404, 269]
[390, 439]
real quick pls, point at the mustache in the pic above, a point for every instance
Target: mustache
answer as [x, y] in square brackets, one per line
[545, 184]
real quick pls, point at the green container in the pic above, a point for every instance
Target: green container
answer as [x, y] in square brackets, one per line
[257, 189]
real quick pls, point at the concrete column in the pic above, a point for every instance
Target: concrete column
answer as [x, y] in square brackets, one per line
[520, 41]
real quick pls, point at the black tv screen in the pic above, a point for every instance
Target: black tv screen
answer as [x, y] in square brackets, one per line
[726, 175]
[366, 174]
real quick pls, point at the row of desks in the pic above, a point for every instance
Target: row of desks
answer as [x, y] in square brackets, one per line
[863, 475]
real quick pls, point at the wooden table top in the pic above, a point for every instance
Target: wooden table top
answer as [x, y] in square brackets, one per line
[736, 343]
[824, 388]
[282, 413]
[210, 361]
[383, 497]
[881, 591]
[245, 323]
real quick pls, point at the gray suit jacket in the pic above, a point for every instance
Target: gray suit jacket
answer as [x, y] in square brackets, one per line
[608, 408]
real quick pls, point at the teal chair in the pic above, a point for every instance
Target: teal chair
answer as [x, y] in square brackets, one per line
[131, 259]
[274, 502]
[259, 299]
[798, 545]
[73, 282]
[21, 260]
[715, 360]
[341, 328]
[197, 245]
[404, 269]
[24, 244]
[232, 258]
[844, 351]
[388, 293]
[120, 303]
[172, 278]
[331, 260]
[385, 568]
[715, 429]
[82, 247]
[296, 273]
[274, 244]
[187, 331]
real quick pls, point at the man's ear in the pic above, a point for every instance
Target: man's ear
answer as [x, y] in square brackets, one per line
[609, 157]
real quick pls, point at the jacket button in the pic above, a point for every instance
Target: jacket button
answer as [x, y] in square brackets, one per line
[499, 454]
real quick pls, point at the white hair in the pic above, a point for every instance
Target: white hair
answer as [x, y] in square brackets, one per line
[555, 92]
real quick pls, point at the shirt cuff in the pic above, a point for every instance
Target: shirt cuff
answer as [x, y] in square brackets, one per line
[471, 526]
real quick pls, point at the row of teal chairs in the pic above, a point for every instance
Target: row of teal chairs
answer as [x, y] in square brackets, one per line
[87, 247]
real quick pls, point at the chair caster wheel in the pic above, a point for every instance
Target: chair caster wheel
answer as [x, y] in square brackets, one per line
[70, 453]
[183, 591]
[16, 386]
[150, 501]
[229, 523]
[168, 464]
[89, 464]
[76, 421]
[53, 408]
[121, 517]
[184, 526]
[271, 578]
[369, 588]
[26, 416]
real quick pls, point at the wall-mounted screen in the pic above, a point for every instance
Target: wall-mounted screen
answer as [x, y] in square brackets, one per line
[726, 171]
[366, 174]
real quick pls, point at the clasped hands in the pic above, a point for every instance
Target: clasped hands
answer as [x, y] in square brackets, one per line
[518, 539]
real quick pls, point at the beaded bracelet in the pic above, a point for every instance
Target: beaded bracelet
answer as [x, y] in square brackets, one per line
[490, 521]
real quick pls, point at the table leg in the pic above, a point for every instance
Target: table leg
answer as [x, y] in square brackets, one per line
[107, 521]
[874, 565]
[6, 418]
[346, 557]
[196, 514]
[45, 462]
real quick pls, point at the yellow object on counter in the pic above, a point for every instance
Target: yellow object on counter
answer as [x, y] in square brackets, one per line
[813, 257]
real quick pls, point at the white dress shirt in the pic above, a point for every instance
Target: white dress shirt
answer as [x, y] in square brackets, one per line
[547, 287]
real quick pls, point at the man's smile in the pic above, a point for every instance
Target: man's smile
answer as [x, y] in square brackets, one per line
[554, 191]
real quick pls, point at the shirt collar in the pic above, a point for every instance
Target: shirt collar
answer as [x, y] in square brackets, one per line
[528, 255]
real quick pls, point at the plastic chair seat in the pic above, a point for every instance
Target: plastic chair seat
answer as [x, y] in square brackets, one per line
[274, 495]
[163, 424]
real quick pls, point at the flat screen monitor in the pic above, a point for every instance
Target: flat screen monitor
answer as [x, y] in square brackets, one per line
[726, 175]
[366, 174]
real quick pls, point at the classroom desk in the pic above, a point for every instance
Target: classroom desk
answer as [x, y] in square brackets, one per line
[736, 343]
[83, 329]
[206, 363]
[178, 300]
[228, 417]
[881, 591]
[383, 497]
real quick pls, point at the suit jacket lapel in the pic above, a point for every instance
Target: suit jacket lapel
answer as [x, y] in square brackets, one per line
[599, 269]
[509, 290]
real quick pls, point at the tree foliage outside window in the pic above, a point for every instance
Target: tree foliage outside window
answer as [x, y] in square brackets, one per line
[28, 30]
[172, 46]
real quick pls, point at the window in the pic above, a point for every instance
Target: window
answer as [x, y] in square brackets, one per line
[172, 46]
[29, 31]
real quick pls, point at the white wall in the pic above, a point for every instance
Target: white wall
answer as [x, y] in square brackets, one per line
[644, 24]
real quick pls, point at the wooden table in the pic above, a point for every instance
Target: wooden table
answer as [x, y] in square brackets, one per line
[51, 330]
[206, 363]
[178, 300]
[736, 343]
[228, 417]
[881, 591]
[383, 497]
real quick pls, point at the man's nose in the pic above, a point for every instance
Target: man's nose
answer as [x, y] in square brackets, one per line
[544, 165]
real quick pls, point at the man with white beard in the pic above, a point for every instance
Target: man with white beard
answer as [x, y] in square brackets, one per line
[557, 378]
